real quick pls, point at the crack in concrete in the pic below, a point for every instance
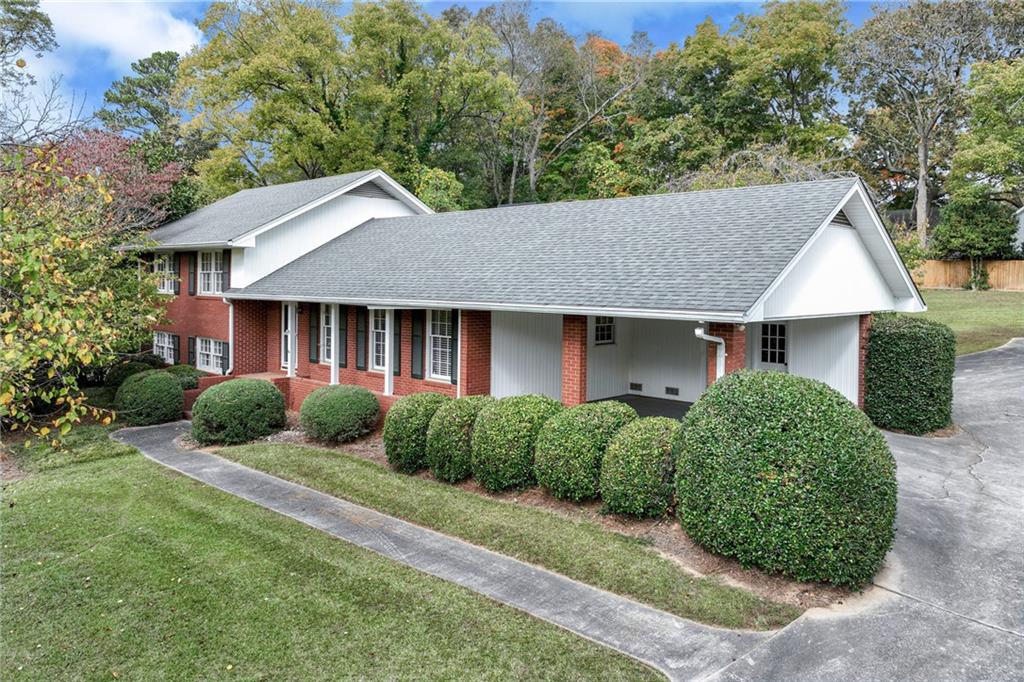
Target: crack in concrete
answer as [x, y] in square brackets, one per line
[979, 454]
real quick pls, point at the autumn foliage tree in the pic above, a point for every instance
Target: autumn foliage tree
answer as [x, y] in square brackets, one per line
[68, 298]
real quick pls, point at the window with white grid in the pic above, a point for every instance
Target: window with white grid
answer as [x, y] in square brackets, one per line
[773, 344]
[440, 341]
[211, 272]
[163, 265]
[604, 330]
[208, 354]
[379, 338]
[163, 345]
[325, 333]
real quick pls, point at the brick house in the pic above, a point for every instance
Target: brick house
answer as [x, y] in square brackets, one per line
[647, 299]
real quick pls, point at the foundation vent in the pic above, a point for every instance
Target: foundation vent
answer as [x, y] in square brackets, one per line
[671, 390]
[636, 387]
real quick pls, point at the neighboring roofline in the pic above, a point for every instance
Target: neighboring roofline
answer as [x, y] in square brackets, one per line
[649, 313]
[856, 189]
[247, 239]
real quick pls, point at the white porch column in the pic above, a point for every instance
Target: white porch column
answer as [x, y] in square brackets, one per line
[335, 354]
[389, 375]
[293, 338]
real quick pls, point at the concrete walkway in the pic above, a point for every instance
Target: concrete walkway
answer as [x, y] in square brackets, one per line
[682, 649]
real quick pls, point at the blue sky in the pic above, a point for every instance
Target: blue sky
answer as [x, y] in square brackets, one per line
[100, 40]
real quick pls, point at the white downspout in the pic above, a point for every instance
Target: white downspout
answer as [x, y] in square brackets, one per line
[719, 355]
[231, 336]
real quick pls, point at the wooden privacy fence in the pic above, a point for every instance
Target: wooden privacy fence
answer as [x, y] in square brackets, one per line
[1005, 275]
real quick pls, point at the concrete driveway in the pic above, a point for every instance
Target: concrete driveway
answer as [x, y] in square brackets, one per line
[950, 604]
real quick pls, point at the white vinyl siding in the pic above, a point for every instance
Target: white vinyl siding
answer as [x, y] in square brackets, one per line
[526, 354]
[163, 345]
[211, 272]
[439, 340]
[665, 354]
[325, 333]
[163, 265]
[379, 339]
[209, 353]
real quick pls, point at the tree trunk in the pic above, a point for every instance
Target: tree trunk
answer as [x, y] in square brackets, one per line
[922, 192]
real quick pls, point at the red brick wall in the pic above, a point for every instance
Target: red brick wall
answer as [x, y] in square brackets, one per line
[574, 359]
[864, 329]
[194, 315]
[475, 342]
[735, 337]
[250, 345]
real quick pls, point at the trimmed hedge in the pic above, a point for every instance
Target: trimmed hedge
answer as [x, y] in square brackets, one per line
[571, 444]
[337, 414]
[151, 359]
[237, 411]
[503, 440]
[150, 397]
[118, 373]
[908, 375]
[405, 430]
[450, 438]
[187, 375]
[638, 468]
[784, 473]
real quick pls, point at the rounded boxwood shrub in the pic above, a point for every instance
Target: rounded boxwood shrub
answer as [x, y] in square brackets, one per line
[118, 373]
[908, 374]
[237, 411]
[571, 444]
[150, 397]
[187, 375]
[337, 414]
[405, 430]
[449, 437]
[784, 473]
[503, 440]
[638, 468]
[151, 359]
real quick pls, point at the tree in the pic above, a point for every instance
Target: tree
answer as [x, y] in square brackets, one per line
[68, 299]
[905, 69]
[439, 189]
[991, 150]
[975, 227]
[760, 165]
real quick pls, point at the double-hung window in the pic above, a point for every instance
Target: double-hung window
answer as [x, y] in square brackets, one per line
[325, 333]
[209, 353]
[604, 330]
[379, 339]
[211, 272]
[163, 346]
[439, 342]
[163, 265]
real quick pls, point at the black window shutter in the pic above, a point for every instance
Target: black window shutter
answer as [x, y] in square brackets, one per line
[342, 349]
[192, 273]
[225, 358]
[418, 323]
[176, 262]
[455, 346]
[227, 270]
[192, 350]
[176, 348]
[361, 338]
[396, 344]
[314, 332]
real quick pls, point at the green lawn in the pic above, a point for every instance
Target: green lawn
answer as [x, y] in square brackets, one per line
[576, 548]
[115, 567]
[980, 319]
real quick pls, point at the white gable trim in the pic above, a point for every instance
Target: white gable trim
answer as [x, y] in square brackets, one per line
[405, 196]
[756, 311]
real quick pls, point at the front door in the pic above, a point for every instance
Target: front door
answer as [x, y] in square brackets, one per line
[286, 334]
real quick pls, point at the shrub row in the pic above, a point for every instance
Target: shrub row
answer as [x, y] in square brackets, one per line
[153, 396]
[237, 411]
[338, 414]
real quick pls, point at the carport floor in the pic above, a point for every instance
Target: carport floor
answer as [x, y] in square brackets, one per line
[654, 407]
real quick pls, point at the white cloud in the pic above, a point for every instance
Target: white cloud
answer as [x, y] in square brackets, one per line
[122, 31]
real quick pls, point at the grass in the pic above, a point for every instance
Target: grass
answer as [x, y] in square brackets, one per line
[980, 319]
[577, 548]
[115, 567]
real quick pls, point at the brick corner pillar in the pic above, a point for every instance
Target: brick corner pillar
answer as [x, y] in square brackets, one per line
[574, 359]
[863, 330]
[475, 350]
[735, 337]
[250, 347]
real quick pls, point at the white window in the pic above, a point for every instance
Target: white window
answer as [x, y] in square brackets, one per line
[379, 338]
[325, 333]
[211, 272]
[604, 330]
[163, 345]
[773, 344]
[163, 265]
[286, 346]
[440, 344]
[209, 354]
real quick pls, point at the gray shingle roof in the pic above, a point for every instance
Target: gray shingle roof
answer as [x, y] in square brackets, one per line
[712, 251]
[246, 210]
